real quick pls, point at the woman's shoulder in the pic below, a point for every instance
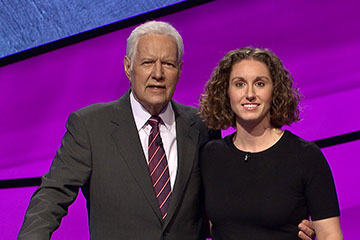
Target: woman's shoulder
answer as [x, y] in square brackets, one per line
[300, 142]
[308, 151]
[217, 144]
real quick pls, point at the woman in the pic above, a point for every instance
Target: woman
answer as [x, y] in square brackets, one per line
[261, 181]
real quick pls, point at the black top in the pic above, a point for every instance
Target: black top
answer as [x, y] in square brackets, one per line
[265, 195]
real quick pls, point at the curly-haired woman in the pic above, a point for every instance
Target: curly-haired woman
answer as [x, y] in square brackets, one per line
[261, 181]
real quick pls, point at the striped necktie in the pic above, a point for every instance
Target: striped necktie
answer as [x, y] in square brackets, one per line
[158, 166]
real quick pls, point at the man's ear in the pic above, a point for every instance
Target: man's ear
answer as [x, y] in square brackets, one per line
[127, 66]
[180, 68]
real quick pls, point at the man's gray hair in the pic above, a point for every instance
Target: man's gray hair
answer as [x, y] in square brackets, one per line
[153, 27]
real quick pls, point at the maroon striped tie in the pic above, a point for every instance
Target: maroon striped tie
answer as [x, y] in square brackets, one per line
[158, 166]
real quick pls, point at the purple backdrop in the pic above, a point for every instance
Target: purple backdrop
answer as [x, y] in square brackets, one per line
[319, 42]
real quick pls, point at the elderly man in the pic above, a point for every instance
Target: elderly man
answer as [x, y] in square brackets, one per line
[135, 159]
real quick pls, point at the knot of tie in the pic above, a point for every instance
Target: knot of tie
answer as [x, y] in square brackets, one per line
[154, 121]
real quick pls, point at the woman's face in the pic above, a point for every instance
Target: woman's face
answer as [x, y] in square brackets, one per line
[250, 92]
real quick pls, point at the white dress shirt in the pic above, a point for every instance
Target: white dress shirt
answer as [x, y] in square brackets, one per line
[167, 133]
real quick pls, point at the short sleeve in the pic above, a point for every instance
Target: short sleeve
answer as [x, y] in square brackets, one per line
[320, 189]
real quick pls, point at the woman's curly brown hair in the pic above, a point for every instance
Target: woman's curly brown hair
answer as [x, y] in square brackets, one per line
[215, 103]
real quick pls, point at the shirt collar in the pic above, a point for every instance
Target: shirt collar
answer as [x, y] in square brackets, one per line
[141, 115]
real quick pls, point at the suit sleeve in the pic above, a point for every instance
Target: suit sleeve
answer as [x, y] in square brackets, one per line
[69, 170]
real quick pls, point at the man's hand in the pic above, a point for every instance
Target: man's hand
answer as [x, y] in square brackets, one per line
[306, 231]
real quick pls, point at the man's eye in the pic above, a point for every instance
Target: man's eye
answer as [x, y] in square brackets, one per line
[239, 84]
[169, 64]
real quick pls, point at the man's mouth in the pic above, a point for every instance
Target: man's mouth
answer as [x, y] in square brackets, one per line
[156, 86]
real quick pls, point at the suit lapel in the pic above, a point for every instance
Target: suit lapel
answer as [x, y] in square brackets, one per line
[127, 140]
[187, 141]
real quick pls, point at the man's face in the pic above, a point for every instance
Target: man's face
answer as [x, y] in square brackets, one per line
[155, 71]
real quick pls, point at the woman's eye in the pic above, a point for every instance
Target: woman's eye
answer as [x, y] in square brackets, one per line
[239, 84]
[260, 84]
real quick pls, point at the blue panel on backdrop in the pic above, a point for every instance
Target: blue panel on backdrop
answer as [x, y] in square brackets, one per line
[26, 24]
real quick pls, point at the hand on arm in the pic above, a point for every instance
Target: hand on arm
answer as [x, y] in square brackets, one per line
[306, 230]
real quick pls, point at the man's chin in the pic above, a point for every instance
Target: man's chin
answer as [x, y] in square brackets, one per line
[155, 107]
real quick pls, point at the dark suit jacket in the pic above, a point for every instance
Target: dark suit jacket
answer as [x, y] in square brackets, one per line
[101, 153]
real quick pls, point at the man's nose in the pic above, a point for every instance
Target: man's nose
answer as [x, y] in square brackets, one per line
[157, 72]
